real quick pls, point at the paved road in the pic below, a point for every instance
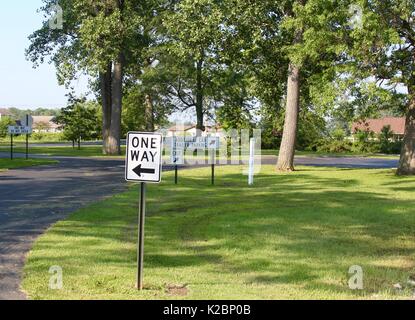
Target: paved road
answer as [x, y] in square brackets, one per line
[346, 162]
[34, 198]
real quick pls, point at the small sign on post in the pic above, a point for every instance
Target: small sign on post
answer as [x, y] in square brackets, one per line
[251, 161]
[212, 144]
[15, 130]
[177, 157]
[143, 164]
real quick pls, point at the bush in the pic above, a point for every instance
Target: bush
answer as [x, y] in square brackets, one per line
[4, 125]
[386, 142]
[333, 146]
[365, 143]
[47, 136]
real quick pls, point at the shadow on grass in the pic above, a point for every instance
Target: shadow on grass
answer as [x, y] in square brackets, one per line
[307, 228]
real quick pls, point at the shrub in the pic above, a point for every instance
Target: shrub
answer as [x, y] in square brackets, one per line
[333, 146]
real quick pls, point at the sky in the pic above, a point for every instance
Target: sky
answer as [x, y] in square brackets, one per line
[22, 86]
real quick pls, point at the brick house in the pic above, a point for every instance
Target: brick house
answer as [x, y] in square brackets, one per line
[397, 125]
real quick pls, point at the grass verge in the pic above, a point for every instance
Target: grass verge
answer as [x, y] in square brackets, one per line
[291, 236]
[6, 164]
[86, 151]
[335, 155]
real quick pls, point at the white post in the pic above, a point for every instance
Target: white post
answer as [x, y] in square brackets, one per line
[251, 161]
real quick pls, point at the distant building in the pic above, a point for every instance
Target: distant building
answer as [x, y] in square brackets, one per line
[4, 113]
[190, 130]
[45, 124]
[397, 125]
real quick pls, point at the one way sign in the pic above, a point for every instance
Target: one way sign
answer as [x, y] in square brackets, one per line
[143, 161]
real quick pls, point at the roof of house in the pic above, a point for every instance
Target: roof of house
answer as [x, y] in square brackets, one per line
[397, 125]
[44, 119]
[5, 112]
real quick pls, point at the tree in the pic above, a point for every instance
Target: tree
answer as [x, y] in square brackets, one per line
[298, 42]
[145, 108]
[79, 120]
[317, 29]
[193, 33]
[5, 122]
[384, 48]
[102, 38]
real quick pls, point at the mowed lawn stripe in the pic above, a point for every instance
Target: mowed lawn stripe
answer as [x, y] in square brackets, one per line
[290, 236]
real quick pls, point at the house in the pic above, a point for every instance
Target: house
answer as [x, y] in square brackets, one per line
[190, 130]
[4, 113]
[397, 125]
[45, 124]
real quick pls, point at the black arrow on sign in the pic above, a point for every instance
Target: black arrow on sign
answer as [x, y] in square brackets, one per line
[139, 170]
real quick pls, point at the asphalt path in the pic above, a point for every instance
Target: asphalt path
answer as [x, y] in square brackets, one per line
[32, 199]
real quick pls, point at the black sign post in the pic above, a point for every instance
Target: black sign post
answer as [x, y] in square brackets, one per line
[176, 175]
[11, 146]
[141, 221]
[27, 138]
[143, 165]
[213, 154]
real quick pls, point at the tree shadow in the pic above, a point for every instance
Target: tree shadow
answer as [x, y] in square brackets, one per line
[287, 229]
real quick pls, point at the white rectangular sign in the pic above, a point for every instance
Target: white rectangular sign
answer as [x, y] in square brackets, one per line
[144, 157]
[212, 143]
[19, 130]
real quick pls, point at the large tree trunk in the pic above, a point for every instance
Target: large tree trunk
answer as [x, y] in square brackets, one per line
[149, 112]
[114, 137]
[287, 149]
[105, 80]
[199, 97]
[407, 160]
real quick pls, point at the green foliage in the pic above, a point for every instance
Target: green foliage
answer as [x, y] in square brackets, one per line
[21, 113]
[79, 120]
[134, 114]
[387, 143]
[338, 134]
[311, 129]
[5, 122]
[364, 142]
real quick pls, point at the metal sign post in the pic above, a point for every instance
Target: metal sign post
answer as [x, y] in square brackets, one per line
[177, 157]
[180, 144]
[27, 138]
[143, 164]
[213, 166]
[140, 252]
[251, 162]
[212, 144]
[12, 130]
[11, 146]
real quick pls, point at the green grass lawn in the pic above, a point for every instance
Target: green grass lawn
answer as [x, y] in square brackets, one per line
[85, 151]
[291, 236]
[96, 151]
[343, 154]
[20, 163]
